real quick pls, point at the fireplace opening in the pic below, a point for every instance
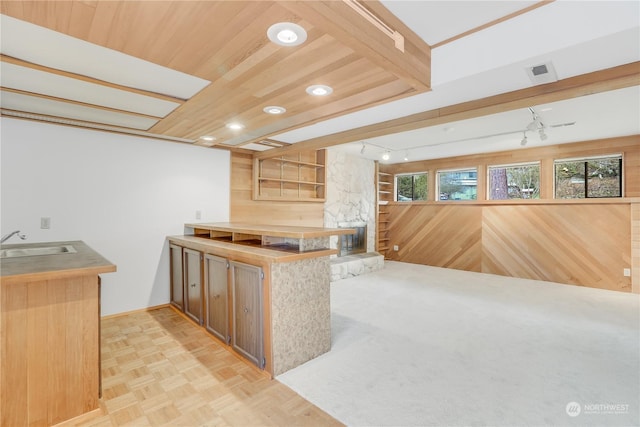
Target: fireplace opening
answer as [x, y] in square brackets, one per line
[351, 244]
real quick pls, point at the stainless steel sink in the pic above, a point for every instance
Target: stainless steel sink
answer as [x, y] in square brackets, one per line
[45, 250]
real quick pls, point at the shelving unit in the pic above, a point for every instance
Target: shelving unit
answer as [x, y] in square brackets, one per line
[384, 183]
[295, 177]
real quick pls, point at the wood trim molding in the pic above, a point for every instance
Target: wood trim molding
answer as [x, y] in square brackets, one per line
[21, 63]
[492, 23]
[78, 103]
[586, 84]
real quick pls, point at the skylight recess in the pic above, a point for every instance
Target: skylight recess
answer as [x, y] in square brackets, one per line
[39, 45]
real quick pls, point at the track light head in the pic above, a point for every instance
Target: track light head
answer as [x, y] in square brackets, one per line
[363, 148]
[543, 135]
[523, 142]
[386, 155]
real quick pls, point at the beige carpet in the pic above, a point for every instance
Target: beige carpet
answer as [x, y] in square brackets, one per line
[417, 345]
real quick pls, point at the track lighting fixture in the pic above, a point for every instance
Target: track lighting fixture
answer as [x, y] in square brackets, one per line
[386, 155]
[406, 156]
[536, 125]
[363, 148]
[543, 135]
[523, 142]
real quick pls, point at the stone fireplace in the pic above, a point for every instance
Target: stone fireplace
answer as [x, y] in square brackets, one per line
[351, 203]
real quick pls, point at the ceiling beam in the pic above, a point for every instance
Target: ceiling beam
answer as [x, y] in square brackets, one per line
[586, 84]
[342, 22]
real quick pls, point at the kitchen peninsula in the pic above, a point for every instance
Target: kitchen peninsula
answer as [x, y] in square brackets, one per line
[263, 289]
[50, 309]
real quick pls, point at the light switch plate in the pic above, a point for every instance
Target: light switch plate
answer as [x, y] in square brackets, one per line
[627, 272]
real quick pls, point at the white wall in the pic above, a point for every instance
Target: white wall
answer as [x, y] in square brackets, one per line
[121, 195]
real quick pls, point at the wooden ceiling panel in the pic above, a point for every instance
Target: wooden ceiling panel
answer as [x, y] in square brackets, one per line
[225, 42]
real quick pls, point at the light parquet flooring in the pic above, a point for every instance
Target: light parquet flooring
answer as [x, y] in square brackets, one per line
[158, 369]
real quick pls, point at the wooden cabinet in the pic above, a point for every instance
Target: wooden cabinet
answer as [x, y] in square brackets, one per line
[228, 287]
[50, 340]
[192, 268]
[177, 284]
[216, 297]
[294, 177]
[385, 195]
[247, 311]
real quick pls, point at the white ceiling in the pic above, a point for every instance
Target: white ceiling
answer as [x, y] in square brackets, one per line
[576, 37]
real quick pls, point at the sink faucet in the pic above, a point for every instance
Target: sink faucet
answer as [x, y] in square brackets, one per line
[8, 236]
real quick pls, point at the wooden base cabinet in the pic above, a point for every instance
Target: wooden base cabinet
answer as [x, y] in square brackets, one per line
[228, 302]
[177, 284]
[192, 268]
[247, 312]
[216, 296]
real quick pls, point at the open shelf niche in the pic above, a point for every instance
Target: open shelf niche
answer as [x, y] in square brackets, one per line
[385, 195]
[290, 177]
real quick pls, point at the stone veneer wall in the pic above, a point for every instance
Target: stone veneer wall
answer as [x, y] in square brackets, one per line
[300, 312]
[350, 193]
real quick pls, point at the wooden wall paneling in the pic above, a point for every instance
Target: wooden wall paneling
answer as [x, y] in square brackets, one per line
[244, 209]
[582, 245]
[442, 236]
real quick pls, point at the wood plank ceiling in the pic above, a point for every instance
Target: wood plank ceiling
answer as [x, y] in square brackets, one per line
[225, 43]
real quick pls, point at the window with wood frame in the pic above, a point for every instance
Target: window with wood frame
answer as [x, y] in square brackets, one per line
[595, 177]
[520, 181]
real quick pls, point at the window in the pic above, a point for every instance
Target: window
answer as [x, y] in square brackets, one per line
[411, 187]
[514, 182]
[458, 184]
[587, 178]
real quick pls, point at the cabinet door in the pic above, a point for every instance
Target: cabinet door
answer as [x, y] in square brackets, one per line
[247, 311]
[216, 301]
[192, 284]
[177, 287]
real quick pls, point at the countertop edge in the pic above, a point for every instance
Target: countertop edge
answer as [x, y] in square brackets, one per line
[51, 267]
[261, 254]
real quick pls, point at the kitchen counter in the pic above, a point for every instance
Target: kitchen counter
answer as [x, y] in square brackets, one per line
[270, 230]
[294, 285]
[257, 253]
[50, 341]
[85, 261]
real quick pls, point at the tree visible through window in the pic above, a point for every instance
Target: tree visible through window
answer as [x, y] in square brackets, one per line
[514, 182]
[586, 178]
[411, 187]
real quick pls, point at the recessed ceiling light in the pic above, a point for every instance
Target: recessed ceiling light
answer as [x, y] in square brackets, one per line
[319, 90]
[208, 138]
[235, 126]
[274, 109]
[287, 34]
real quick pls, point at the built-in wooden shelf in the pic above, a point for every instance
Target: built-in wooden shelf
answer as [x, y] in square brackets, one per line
[297, 177]
[384, 184]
